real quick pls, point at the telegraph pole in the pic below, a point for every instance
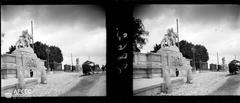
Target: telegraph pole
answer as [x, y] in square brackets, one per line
[32, 34]
[178, 35]
[217, 60]
[71, 61]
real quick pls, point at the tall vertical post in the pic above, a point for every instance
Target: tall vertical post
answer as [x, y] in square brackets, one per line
[178, 35]
[193, 51]
[71, 61]
[32, 34]
[48, 52]
[217, 60]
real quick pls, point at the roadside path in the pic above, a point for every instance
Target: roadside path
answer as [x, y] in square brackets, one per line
[91, 85]
[230, 87]
[209, 83]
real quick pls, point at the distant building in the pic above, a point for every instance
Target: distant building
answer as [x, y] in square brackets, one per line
[213, 67]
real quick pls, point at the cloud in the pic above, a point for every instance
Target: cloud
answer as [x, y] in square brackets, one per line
[90, 16]
[214, 26]
[76, 29]
[191, 14]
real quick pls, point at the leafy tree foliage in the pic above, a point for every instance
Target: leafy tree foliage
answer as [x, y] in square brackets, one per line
[186, 49]
[55, 54]
[156, 48]
[201, 53]
[11, 49]
[139, 34]
[40, 50]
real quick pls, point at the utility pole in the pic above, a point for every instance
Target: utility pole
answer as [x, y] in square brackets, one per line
[178, 35]
[72, 62]
[217, 60]
[32, 34]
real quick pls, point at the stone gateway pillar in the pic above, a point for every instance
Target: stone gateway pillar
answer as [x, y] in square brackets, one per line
[20, 76]
[166, 87]
[43, 77]
[189, 76]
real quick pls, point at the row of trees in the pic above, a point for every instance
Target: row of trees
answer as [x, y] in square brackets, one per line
[55, 53]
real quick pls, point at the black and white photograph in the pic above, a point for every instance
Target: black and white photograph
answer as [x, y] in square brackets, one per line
[53, 50]
[187, 50]
[119, 51]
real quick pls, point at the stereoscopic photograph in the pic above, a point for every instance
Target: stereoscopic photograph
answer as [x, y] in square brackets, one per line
[188, 50]
[53, 50]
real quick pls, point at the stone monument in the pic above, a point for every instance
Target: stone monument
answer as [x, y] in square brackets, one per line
[22, 60]
[152, 64]
[173, 57]
[163, 63]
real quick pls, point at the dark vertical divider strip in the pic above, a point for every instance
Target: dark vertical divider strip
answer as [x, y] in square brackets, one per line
[119, 50]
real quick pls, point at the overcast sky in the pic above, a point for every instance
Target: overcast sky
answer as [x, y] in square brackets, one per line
[217, 27]
[79, 30]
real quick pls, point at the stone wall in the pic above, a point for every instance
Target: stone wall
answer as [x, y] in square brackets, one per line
[147, 65]
[24, 58]
[8, 66]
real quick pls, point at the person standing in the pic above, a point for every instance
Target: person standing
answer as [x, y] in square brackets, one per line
[177, 72]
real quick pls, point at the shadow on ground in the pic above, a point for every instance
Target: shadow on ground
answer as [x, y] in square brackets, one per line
[83, 87]
[230, 87]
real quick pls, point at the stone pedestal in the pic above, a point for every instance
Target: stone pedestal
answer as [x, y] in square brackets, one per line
[19, 63]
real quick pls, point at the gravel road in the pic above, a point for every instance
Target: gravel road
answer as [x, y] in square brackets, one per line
[210, 83]
[91, 85]
[231, 87]
[69, 84]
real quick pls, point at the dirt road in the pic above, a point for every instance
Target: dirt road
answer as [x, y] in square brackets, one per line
[230, 87]
[91, 85]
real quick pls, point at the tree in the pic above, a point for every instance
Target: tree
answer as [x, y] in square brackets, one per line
[185, 49]
[40, 50]
[11, 49]
[201, 53]
[138, 34]
[56, 54]
[156, 48]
